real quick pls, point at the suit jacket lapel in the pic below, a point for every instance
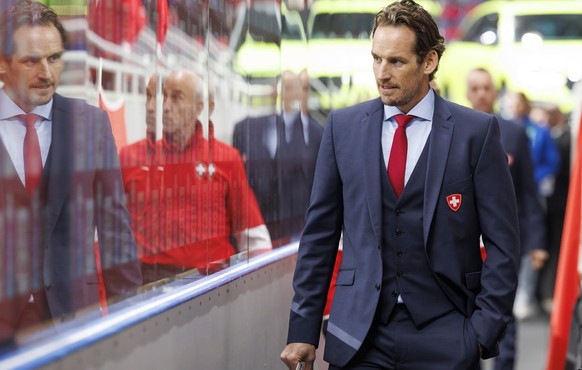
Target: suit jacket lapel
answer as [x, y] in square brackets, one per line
[439, 144]
[371, 132]
[61, 156]
[8, 174]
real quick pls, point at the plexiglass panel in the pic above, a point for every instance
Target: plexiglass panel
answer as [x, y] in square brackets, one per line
[176, 138]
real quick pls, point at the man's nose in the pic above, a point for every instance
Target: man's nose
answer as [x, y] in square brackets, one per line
[151, 105]
[44, 70]
[383, 71]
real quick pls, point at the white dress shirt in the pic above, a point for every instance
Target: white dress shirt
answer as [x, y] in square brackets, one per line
[417, 131]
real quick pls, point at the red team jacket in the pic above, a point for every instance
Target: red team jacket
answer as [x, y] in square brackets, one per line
[186, 205]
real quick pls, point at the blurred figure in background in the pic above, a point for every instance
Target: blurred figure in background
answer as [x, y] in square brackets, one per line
[59, 172]
[546, 160]
[279, 152]
[482, 94]
[555, 204]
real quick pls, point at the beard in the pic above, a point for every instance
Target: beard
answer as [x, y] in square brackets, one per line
[402, 96]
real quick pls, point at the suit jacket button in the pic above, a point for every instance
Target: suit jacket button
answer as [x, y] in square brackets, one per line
[398, 232]
[394, 293]
[399, 253]
[378, 286]
[48, 286]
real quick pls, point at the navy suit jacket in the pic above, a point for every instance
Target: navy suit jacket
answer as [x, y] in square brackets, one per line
[532, 226]
[465, 157]
[281, 181]
[50, 246]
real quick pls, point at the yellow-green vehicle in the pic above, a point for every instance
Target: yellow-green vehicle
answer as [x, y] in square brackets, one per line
[529, 46]
[267, 39]
[68, 7]
[339, 50]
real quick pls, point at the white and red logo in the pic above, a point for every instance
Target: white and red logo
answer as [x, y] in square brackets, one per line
[454, 201]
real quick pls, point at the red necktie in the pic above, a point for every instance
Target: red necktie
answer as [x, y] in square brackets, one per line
[32, 158]
[397, 160]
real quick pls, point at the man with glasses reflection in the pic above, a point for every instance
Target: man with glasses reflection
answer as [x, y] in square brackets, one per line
[60, 185]
[205, 211]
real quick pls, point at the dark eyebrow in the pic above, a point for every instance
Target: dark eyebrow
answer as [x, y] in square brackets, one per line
[36, 58]
[57, 54]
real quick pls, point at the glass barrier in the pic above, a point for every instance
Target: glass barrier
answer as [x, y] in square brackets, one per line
[173, 139]
[146, 144]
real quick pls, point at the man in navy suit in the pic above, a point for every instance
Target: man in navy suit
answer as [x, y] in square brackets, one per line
[482, 94]
[412, 291]
[279, 152]
[60, 185]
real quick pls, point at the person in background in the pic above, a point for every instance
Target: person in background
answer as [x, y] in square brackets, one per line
[205, 203]
[482, 94]
[546, 160]
[556, 205]
[60, 185]
[413, 182]
[279, 152]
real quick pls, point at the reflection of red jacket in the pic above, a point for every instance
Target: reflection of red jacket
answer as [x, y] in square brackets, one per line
[116, 20]
[185, 206]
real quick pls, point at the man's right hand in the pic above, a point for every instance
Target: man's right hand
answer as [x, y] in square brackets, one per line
[295, 353]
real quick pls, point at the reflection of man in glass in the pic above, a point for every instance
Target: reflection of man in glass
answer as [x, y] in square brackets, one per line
[59, 183]
[205, 201]
[280, 153]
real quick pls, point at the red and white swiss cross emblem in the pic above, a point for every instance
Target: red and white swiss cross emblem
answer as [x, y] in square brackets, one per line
[454, 201]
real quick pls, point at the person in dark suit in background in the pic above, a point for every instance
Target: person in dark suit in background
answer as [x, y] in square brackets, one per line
[60, 184]
[279, 152]
[546, 160]
[556, 205]
[412, 199]
[482, 94]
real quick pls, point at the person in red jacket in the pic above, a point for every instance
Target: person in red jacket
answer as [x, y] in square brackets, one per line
[190, 200]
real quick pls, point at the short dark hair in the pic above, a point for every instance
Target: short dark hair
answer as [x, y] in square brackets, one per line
[410, 14]
[27, 13]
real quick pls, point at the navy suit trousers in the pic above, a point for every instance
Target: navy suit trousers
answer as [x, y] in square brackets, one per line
[446, 343]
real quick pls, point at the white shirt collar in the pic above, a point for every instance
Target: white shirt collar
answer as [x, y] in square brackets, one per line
[9, 109]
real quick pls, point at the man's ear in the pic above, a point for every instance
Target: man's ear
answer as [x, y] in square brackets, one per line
[3, 65]
[210, 107]
[431, 61]
[199, 107]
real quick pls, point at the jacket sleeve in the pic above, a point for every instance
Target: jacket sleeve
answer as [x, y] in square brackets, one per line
[497, 212]
[318, 246]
